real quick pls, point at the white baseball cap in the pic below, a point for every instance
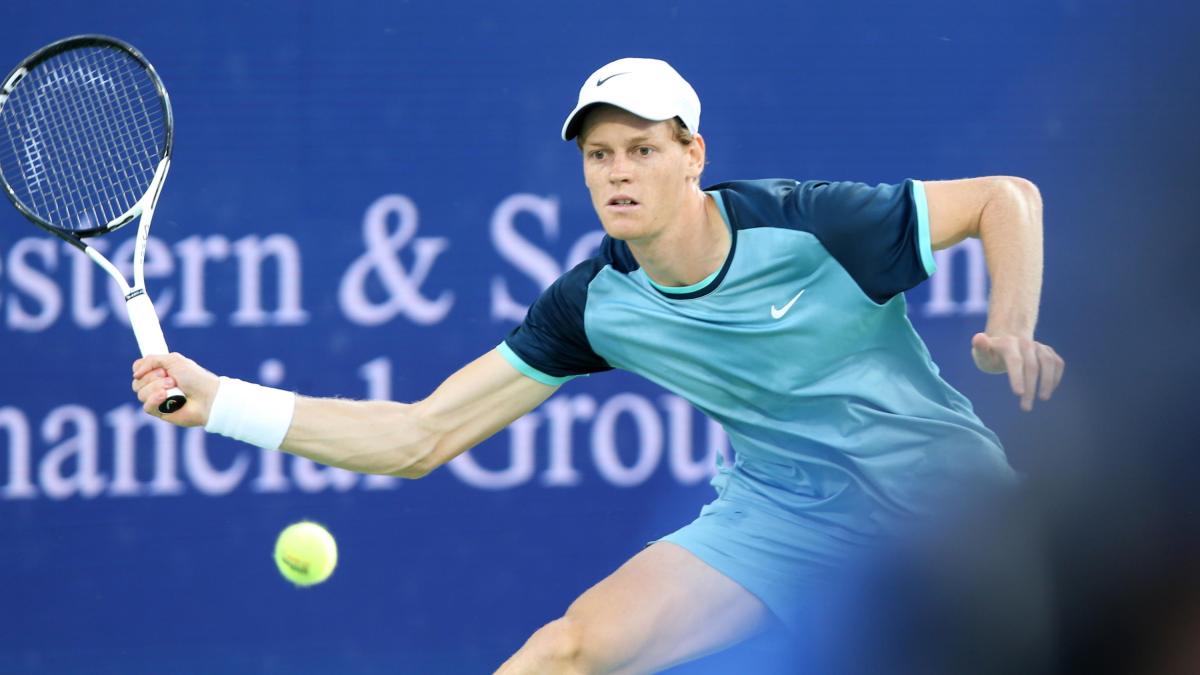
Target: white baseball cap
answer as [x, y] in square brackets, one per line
[648, 88]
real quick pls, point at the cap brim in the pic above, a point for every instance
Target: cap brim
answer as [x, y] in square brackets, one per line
[570, 127]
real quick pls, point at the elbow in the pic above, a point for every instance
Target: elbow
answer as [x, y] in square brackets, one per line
[422, 451]
[438, 450]
[1010, 201]
[1021, 190]
[430, 440]
[412, 472]
[414, 461]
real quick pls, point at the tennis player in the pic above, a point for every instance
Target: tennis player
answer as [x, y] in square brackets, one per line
[774, 306]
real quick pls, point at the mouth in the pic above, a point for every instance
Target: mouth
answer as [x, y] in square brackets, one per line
[622, 203]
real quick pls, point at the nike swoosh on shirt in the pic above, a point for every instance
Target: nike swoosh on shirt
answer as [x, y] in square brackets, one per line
[601, 81]
[777, 313]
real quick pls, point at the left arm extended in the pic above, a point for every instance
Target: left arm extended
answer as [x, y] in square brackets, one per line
[1005, 213]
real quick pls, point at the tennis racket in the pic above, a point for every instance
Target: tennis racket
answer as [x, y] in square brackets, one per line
[85, 144]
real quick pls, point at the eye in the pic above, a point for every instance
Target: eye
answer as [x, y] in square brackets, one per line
[596, 154]
[645, 150]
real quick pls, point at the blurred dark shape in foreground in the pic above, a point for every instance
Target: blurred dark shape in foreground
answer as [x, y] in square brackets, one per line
[1093, 567]
[1095, 573]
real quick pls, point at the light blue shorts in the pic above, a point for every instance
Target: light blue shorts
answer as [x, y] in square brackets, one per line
[782, 534]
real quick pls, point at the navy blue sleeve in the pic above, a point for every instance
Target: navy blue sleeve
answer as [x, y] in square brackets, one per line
[879, 234]
[551, 345]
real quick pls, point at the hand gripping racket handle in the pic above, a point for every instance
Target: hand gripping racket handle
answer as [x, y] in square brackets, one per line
[151, 342]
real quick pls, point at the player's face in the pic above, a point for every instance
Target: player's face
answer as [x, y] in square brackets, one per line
[640, 176]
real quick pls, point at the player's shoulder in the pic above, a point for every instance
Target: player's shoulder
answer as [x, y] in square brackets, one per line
[759, 190]
[799, 204]
[611, 253]
[766, 202]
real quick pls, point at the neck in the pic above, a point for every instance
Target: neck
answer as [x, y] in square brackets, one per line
[690, 250]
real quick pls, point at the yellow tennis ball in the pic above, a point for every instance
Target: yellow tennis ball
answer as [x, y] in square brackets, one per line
[305, 553]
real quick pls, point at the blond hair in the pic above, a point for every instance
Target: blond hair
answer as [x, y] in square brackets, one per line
[679, 132]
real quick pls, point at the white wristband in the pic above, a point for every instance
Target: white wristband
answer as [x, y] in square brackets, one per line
[251, 413]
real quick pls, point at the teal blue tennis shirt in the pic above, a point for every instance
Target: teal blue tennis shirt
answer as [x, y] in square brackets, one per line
[799, 345]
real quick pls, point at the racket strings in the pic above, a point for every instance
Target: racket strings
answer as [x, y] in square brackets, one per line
[117, 176]
[35, 119]
[98, 108]
[111, 113]
[85, 133]
[64, 196]
[121, 112]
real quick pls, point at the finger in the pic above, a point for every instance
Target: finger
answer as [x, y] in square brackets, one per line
[1062, 368]
[140, 382]
[1048, 366]
[149, 389]
[147, 364]
[153, 400]
[987, 354]
[1029, 373]
[1016, 369]
[149, 379]
[1059, 366]
[156, 395]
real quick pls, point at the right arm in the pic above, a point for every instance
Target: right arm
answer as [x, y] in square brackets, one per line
[401, 439]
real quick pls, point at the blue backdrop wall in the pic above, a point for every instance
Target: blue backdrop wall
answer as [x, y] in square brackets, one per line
[367, 195]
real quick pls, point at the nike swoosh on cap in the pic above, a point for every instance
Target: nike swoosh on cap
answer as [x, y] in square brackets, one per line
[601, 81]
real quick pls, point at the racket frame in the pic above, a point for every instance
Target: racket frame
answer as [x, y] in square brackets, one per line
[142, 317]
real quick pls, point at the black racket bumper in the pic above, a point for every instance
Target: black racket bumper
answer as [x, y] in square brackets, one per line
[172, 404]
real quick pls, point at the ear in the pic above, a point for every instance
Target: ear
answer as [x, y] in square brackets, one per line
[696, 153]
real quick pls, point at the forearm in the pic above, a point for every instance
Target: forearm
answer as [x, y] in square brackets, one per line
[1010, 227]
[410, 440]
[400, 439]
[363, 436]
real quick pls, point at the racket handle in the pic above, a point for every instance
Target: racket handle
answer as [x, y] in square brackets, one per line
[151, 342]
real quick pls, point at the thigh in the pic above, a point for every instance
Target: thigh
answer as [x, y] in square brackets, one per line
[664, 606]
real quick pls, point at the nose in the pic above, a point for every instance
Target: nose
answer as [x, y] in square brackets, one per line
[620, 171]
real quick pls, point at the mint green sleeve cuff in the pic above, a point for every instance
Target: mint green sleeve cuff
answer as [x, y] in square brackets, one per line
[924, 243]
[529, 371]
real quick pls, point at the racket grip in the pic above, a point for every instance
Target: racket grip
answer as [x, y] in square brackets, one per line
[151, 342]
